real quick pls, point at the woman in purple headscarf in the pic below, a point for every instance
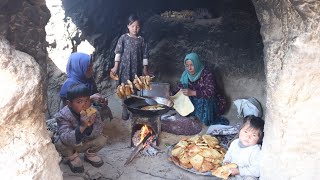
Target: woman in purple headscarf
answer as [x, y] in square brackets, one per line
[80, 70]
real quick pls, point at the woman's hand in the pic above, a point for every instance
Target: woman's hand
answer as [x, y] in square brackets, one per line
[188, 92]
[103, 101]
[99, 99]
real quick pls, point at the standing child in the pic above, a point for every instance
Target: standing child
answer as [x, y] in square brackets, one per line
[131, 55]
[245, 151]
[79, 133]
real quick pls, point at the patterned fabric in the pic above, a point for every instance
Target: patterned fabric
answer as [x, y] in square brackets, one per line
[67, 124]
[133, 50]
[207, 111]
[77, 66]
[208, 103]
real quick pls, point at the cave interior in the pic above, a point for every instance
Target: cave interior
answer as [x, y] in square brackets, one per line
[225, 34]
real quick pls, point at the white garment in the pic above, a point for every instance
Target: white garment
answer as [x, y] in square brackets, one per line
[247, 158]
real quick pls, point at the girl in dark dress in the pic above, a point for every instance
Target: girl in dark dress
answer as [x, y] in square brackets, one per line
[199, 84]
[131, 56]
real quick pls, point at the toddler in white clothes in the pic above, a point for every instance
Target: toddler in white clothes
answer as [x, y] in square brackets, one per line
[245, 150]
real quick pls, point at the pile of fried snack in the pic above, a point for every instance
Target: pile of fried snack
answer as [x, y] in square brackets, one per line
[202, 153]
[142, 82]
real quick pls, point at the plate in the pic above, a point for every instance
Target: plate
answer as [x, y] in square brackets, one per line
[192, 170]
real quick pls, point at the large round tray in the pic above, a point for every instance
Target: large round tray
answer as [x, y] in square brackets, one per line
[192, 170]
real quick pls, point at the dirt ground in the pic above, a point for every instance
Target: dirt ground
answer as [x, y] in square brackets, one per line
[118, 150]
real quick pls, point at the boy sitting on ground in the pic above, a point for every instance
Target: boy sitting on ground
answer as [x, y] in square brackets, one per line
[80, 132]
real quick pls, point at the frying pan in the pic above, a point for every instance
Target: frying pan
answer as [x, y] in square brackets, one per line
[134, 105]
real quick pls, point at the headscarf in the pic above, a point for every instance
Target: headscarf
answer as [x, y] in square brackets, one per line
[77, 66]
[198, 67]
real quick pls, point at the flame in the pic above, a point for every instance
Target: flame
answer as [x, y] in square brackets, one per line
[144, 131]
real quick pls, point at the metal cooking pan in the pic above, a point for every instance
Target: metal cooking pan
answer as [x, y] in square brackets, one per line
[134, 105]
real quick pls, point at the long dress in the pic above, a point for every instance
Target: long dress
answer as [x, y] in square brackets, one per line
[208, 103]
[133, 50]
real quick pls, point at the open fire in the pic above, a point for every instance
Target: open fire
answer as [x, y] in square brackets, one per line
[144, 141]
[141, 134]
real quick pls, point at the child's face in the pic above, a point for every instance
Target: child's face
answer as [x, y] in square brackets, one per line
[134, 28]
[248, 136]
[190, 67]
[79, 104]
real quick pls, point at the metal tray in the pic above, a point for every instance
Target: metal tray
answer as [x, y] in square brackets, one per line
[192, 170]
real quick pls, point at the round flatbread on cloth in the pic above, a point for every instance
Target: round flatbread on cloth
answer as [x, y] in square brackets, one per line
[174, 123]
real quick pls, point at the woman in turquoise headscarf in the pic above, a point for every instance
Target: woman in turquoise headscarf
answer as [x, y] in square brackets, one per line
[199, 84]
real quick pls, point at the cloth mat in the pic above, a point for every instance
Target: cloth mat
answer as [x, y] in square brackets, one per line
[225, 134]
[172, 122]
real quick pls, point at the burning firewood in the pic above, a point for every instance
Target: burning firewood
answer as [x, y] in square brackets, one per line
[143, 140]
[138, 148]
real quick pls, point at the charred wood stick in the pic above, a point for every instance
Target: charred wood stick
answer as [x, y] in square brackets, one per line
[146, 138]
[137, 149]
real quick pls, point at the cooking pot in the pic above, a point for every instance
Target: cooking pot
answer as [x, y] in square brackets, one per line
[134, 105]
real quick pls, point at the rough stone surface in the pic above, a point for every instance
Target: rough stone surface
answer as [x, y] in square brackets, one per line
[23, 25]
[26, 151]
[291, 37]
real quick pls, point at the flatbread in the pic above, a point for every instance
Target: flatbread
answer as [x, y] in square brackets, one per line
[88, 112]
[224, 171]
[182, 104]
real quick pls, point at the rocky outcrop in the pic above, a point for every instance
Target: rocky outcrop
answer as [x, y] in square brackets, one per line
[26, 151]
[291, 37]
[22, 23]
[26, 148]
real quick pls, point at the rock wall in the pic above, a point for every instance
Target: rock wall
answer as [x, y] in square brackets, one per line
[26, 151]
[291, 37]
[22, 23]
